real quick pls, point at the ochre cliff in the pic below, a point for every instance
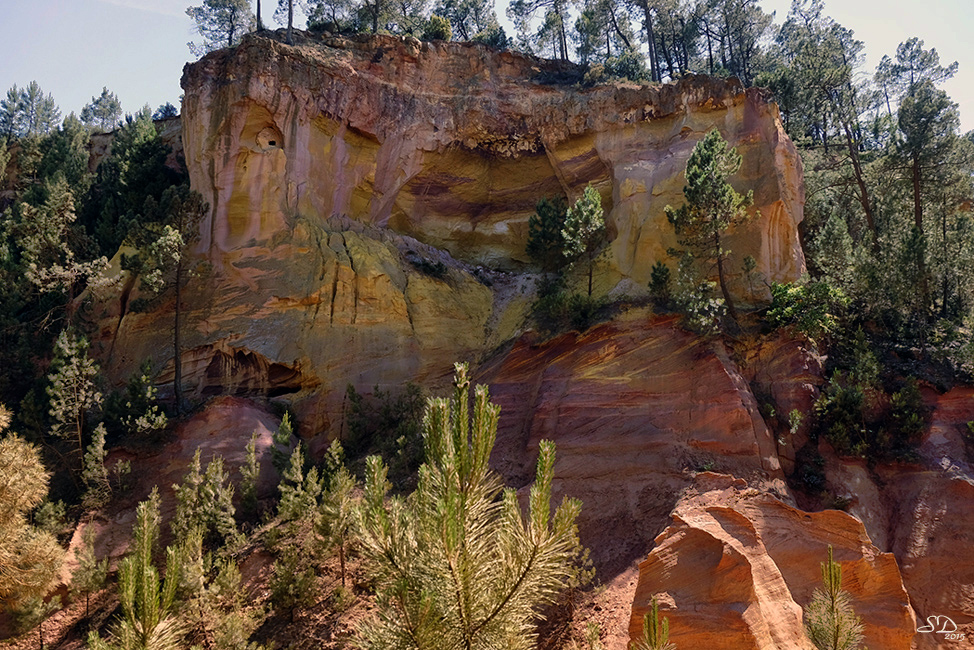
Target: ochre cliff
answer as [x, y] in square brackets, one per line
[636, 406]
[369, 204]
[454, 144]
[369, 201]
[735, 568]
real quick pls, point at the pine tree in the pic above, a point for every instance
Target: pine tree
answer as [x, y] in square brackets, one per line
[286, 7]
[292, 582]
[221, 23]
[336, 15]
[148, 621]
[33, 611]
[712, 206]
[30, 559]
[11, 114]
[555, 18]
[72, 391]
[656, 631]
[929, 121]
[211, 592]
[39, 113]
[467, 17]
[833, 252]
[144, 416]
[91, 573]
[163, 260]
[339, 514]
[545, 243]
[249, 476]
[204, 503]
[45, 234]
[4, 159]
[300, 492]
[281, 450]
[98, 489]
[455, 564]
[104, 112]
[584, 231]
[65, 150]
[830, 621]
[165, 112]
[660, 284]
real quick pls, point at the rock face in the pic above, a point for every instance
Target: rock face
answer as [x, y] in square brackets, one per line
[369, 206]
[356, 184]
[930, 509]
[635, 406]
[454, 144]
[302, 316]
[735, 567]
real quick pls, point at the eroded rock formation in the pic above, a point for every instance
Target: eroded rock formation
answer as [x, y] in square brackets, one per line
[736, 566]
[454, 144]
[369, 205]
[636, 406]
[358, 187]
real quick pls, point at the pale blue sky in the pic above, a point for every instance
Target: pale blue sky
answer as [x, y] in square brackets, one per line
[138, 47]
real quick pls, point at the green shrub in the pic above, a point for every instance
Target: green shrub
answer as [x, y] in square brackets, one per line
[136, 410]
[660, 282]
[386, 424]
[695, 299]
[594, 75]
[437, 29]
[809, 469]
[860, 417]
[839, 411]
[629, 65]
[493, 36]
[292, 583]
[558, 311]
[906, 420]
[815, 308]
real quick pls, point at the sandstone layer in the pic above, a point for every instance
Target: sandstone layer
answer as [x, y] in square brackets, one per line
[635, 407]
[735, 568]
[930, 515]
[369, 197]
[369, 204]
[453, 144]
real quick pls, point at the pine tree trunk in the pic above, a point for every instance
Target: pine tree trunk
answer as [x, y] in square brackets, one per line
[917, 202]
[651, 40]
[918, 222]
[720, 277]
[206, 637]
[260, 24]
[290, 21]
[861, 182]
[730, 44]
[944, 282]
[591, 265]
[615, 26]
[341, 560]
[562, 40]
[79, 428]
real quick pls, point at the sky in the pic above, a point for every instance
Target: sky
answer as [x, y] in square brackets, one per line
[137, 48]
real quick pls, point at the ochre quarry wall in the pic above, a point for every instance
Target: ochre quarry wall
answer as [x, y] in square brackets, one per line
[369, 201]
[454, 144]
[369, 205]
[735, 568]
